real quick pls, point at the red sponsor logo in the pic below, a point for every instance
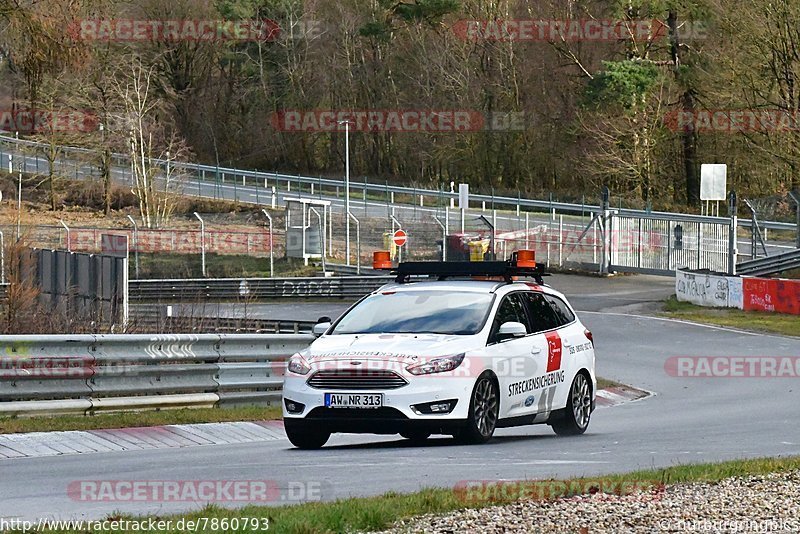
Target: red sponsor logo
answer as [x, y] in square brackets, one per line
[126, 30]
[732, 121]
[572, 30]
[44, 121]
[203, 491]
[733, 366]
[554, 347]
[478, 491]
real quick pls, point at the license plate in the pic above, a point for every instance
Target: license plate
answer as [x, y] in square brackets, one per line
[354, 400]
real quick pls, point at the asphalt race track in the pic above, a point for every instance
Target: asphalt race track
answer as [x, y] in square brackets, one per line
[688, 420]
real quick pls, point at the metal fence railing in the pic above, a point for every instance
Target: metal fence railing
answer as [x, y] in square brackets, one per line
[58, 374]
[650, 244]
[248, 186]
[198, 290]
[563, 234]
[163, 319]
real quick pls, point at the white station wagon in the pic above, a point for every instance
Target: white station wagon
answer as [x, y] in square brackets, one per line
[441, 352]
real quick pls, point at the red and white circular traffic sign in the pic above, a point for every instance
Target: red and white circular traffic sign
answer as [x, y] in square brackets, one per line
[399, 238]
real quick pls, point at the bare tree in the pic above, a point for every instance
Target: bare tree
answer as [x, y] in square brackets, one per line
[155, 184]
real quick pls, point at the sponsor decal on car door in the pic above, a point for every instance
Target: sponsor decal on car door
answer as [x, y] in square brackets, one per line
[554, 348]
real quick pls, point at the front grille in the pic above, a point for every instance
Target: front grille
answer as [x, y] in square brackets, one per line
[356, 379]
[383, 413]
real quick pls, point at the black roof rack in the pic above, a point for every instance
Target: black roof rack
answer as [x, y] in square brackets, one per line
[449, 269]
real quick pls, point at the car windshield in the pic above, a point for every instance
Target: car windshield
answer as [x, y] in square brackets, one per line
[417, 312]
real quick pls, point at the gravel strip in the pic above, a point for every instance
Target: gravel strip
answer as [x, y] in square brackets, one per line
[769, 503]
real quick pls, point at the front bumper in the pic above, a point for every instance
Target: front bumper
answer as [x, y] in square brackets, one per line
[395, 416]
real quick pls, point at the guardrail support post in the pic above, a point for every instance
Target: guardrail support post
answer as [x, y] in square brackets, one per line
[444, 236]
[796, 197]
[756, 236]
[358, 242]
[69, 249]
[2, 258]
[202, 244]
[135, 245]
[527, 230]
[732, 241]
[271, 244]
[605, 220]
[347, 187]
[321, 236]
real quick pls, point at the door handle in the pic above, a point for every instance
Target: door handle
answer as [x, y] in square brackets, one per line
[535, 350]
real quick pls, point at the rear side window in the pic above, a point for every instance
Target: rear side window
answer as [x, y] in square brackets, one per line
[560, 309]
[541, 312]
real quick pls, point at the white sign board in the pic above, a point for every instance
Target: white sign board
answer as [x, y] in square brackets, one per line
[114, 245]
[463, 196]
[713, 181]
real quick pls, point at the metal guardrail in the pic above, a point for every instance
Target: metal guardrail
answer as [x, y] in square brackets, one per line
[257, 177]
[56, 374]
[770, 264]
[154, 318]
[252, 289]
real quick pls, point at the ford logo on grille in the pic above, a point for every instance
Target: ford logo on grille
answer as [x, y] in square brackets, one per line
[529, 401]
[355, 363]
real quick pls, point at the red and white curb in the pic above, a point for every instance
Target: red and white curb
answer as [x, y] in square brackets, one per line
[38, 444]
[616, 395]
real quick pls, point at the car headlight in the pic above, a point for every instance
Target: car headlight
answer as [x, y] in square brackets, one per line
[298, 365]
[439, 365]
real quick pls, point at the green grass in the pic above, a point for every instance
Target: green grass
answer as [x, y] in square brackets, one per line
[773, 323]
[377, 513]
[10, 425]
[794, 273]
[603, 383]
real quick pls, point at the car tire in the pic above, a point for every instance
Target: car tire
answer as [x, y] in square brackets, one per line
[578, 410]
[303, 436]
[484, 409]
[416, 436]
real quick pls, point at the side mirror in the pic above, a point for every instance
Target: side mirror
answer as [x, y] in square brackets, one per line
[511, 329]
[321, 328]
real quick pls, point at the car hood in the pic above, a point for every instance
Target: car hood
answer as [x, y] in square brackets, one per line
[408, 348]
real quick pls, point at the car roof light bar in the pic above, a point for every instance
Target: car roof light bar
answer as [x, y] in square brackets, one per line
[452, 269]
